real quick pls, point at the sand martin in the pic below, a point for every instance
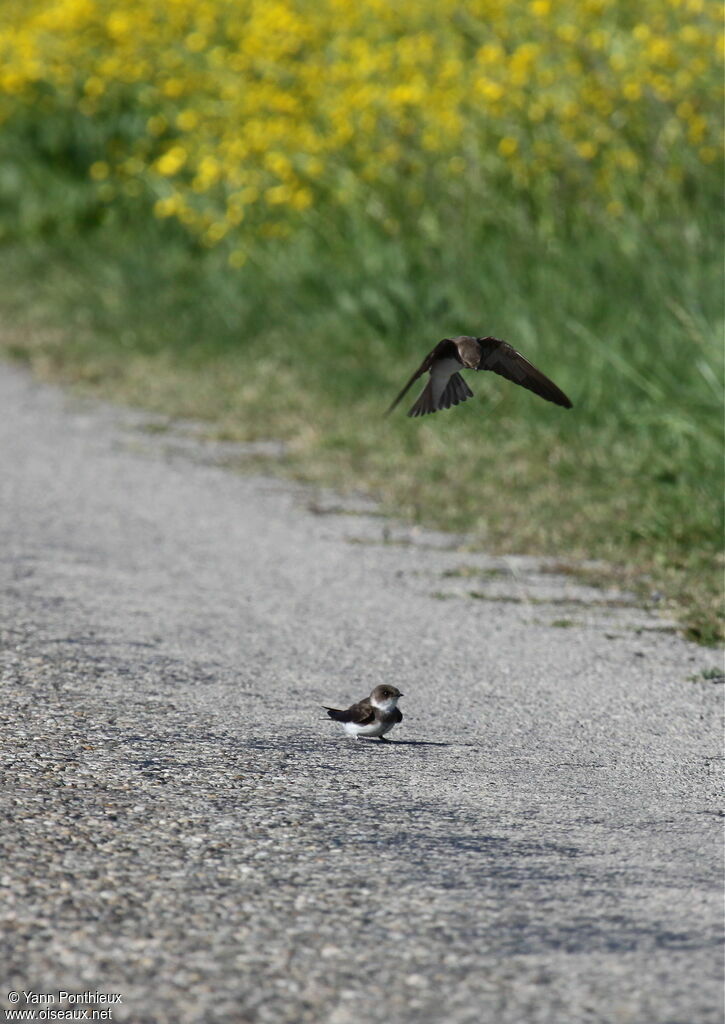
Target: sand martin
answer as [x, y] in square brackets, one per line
[373, 716]
[446, 387]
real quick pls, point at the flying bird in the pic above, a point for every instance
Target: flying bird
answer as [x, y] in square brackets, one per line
[446, 387]
[373, 716]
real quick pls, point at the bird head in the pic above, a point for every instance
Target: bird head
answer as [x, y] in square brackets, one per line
[385, 697]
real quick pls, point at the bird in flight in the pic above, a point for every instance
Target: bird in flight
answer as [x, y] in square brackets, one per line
[373, 716]
[446, 387]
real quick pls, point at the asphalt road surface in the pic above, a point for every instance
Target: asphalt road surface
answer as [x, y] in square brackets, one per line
[185, 833]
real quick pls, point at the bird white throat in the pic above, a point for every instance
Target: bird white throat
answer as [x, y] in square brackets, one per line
[386, 706]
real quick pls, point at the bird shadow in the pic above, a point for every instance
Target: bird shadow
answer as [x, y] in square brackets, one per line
[405, 743]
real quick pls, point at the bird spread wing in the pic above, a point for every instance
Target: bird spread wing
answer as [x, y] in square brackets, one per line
[361, 713]
[445, 349]
[502, 358]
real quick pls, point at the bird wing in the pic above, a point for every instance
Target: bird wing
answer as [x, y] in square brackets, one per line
[444, 349]
[361, 713]
[502, 358]
[398, 715]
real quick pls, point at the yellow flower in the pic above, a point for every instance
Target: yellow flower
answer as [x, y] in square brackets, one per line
[278, 194]
[215, 232]
[99, 170]
[293, 107]
[195, 42]
[586, 150]
[173, 88]
[172, 161]
[156, 124]
[301, 199]
[237, 258]
[166, 207]
[187, 120]
[540, 8]
[489, 89]
[508, 146]
[93, 86]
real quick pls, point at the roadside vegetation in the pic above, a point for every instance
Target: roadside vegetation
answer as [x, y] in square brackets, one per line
[263, 215]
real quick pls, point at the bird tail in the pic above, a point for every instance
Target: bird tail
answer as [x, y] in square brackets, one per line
[425, 402]
[455, 391]
[335, 714]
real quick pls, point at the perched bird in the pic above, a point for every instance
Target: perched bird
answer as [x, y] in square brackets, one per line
[373, 716]
[446, 387]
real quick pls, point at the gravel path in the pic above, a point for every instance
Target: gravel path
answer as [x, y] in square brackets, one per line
[184, 829]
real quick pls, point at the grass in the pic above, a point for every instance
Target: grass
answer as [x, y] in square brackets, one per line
[310, 341]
